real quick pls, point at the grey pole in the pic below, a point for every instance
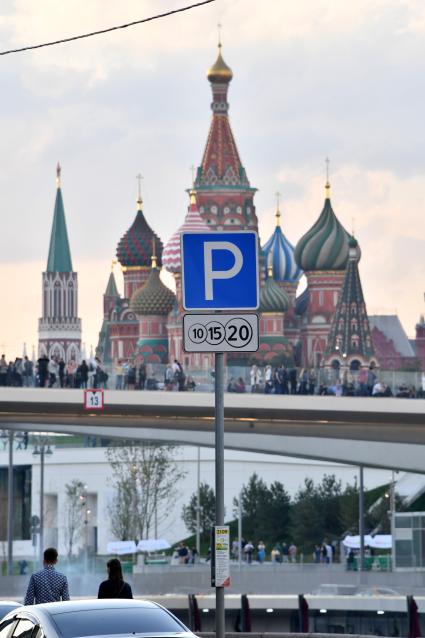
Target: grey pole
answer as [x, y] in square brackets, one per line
[198, 505]
[240, 529]
[392, 508]
[41, 503]
[361, 519]
[219, 480]
[10, 507]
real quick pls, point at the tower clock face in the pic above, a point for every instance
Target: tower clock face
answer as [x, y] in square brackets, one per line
[214, 209]
[201, 209]
[239, 209]
[226, 210]
[248, 210]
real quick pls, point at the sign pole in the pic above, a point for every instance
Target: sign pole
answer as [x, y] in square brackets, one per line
[10, 507]
[219, 479]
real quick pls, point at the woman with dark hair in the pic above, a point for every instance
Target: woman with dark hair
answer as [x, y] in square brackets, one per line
[114, 587]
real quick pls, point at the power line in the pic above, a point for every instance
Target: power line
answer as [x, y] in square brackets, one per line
[121, 26]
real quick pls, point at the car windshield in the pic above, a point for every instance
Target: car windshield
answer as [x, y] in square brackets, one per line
[103, 622]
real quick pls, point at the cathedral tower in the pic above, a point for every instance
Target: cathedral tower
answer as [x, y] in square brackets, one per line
[350, 342]
[59, 329]
[322, 254]
[223, 192]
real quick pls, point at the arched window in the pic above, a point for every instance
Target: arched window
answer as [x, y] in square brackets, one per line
[355, 365]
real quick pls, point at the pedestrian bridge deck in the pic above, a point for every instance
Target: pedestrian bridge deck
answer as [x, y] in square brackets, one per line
[384, 432]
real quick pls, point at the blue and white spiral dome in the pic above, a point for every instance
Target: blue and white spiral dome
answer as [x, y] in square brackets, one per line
[279, 254]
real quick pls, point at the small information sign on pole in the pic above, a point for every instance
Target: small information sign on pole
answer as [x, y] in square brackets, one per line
[94, 399]
[220, 563]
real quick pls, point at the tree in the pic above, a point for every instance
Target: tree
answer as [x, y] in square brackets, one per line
[145, 476]
[307, 526]
[277, 513]
[265, 510]
[207, 510]
[74, 513]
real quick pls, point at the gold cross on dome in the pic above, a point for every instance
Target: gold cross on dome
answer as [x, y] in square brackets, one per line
[139, 178]
[327, 162]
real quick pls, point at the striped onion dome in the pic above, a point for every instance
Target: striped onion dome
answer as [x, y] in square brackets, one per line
[153, 298]
[171, 257]
[279, 252]
[325, 245]
[135, 246]
[272, 297]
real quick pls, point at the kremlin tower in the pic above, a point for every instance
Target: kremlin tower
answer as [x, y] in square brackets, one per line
[59, 329]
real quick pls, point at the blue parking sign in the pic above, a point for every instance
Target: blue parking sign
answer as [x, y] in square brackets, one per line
[220, 270]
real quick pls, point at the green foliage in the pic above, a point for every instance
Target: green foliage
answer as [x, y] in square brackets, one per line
[323, 511]
[265, 510]
[207, 510]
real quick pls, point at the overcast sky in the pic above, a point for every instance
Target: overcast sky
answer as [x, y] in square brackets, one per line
[312, 78]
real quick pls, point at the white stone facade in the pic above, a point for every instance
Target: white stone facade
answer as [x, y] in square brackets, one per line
[91, 467]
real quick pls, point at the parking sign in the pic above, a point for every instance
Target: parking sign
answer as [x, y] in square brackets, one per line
[220, 270]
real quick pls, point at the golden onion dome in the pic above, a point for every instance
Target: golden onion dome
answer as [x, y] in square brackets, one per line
[219, 73]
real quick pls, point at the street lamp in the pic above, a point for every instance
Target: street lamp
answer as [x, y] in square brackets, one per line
[42, 448]
[7, 437]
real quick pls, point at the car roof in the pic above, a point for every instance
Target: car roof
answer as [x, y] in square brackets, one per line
[93, 604]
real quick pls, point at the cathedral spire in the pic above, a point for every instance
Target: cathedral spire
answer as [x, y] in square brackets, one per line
[111, 288]
[59, 259]
[349, 338]
[224, 194]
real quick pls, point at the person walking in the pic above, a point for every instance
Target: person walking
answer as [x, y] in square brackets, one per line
[47, 585]
[114, 586]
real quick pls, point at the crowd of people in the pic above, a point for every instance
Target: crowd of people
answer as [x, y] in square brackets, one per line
[304, 381]
[283, 552]
[132, 374]
[52, 373]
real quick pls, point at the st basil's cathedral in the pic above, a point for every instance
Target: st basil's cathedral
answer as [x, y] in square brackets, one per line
[326, 325]
[147, 322]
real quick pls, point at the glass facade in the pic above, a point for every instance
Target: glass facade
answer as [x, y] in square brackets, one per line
[21, 502]
[409, 532]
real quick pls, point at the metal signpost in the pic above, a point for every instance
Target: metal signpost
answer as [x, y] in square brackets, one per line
[220, 273]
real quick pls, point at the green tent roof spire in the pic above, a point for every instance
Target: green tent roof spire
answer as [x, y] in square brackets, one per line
[59, 259]
[111, 288]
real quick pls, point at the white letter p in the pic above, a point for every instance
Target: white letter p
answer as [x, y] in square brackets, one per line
[211, 274]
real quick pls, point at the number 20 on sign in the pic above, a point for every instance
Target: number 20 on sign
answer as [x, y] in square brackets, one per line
[94, 399]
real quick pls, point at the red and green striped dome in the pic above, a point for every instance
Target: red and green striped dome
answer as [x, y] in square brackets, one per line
[136, 246]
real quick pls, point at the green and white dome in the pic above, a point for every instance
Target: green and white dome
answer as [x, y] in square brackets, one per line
[273, 298]
[325, 245]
